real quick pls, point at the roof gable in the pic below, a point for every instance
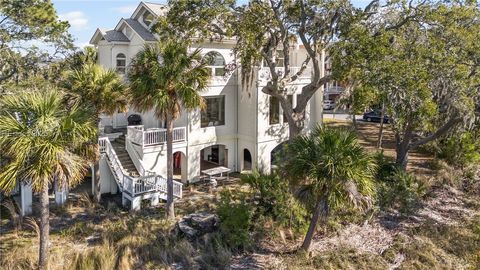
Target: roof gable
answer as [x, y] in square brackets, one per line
[108, 35]
[154, 8]
[143, 32]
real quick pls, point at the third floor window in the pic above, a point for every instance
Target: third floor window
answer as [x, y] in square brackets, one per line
[216, 63]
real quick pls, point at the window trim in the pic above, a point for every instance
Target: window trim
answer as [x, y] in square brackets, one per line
[119, 68]
[214, 68]
[271, 100]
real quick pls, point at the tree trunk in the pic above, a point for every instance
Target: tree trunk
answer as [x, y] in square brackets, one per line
[402, 153]
[96, 179]
[380, 131]
[44, 229]
[170, 211]
[321, 210]
[293, 128]
[354, 121]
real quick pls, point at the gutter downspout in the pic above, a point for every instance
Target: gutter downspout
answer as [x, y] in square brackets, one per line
[237, 167]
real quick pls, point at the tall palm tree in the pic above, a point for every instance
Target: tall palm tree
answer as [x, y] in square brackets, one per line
[100, 89]
[166, 78]
[44, 142]
[330, 169]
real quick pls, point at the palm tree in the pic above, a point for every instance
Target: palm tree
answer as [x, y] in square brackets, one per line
[330, 169]
[44, 142]
[100, 89]
[166, 78]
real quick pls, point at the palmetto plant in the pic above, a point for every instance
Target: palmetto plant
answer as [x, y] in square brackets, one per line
[44, 142]
[166, 78]
[329, 169]
[102, 90]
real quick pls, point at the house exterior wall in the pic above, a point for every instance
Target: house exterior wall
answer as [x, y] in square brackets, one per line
[246, 113]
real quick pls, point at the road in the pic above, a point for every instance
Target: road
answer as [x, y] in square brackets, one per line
[340, 116]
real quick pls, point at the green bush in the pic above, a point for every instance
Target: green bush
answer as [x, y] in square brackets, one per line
[235, 220]
[401, 190]
[273, 199]
[460, 149]
[385, 166]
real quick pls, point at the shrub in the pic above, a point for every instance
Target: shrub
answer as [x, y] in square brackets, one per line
[402, 190]
[273, 199]
[385, 166]
[235, 220]
[460, 149]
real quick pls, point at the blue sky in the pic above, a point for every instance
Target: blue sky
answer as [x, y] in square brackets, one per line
[85, 16]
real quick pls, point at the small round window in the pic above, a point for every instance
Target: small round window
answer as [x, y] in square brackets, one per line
[216, 62]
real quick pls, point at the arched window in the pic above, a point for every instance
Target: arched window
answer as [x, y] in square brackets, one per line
[121, 63]
[216, 62]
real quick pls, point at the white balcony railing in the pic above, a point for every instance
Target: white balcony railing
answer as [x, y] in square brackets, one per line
[151, 137]
[264, 72]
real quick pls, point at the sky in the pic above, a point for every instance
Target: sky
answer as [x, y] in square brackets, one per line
[85, 16]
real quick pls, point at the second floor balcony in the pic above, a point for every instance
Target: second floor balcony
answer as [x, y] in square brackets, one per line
[138, 135]
[264, 73]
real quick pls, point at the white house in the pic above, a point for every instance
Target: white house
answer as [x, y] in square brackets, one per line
[238, 130]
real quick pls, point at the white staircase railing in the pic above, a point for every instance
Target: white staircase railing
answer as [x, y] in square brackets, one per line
[147, 182]
[138, 135]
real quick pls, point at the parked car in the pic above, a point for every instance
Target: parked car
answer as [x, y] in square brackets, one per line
[328, 104]
[374, 116]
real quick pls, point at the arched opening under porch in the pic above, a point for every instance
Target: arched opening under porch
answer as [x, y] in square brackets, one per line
[247, 160]
[213, 156]
[179, 166]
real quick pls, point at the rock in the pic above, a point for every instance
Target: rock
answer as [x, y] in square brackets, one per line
[196, 225]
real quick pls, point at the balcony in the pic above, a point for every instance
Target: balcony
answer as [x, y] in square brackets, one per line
[154, 136]
[264, 73]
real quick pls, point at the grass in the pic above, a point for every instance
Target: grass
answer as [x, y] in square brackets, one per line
[107, 237]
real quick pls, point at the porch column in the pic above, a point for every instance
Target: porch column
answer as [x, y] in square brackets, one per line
[319, 94]
[61, 193]
[155, 199]
[136, 203]
[25, 199]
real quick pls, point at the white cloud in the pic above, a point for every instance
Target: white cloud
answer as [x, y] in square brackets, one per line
[76, 19]
[125, 9]
[82, 45]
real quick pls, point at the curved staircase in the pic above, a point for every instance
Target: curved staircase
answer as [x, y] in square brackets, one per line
[134, 186]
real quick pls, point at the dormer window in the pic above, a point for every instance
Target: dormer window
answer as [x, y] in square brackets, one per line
[128, 32]
[216, 63]
[147, 18]
[121, 63]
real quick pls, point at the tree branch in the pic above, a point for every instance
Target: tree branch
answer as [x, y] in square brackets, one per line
[440, 132]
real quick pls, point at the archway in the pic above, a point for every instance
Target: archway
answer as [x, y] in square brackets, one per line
[179, 166]
[247, 160]
[213, 156]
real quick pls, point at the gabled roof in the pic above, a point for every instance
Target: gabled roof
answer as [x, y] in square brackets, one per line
[143, 32]
[156, 9]
[108, 35]
[112, 35]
